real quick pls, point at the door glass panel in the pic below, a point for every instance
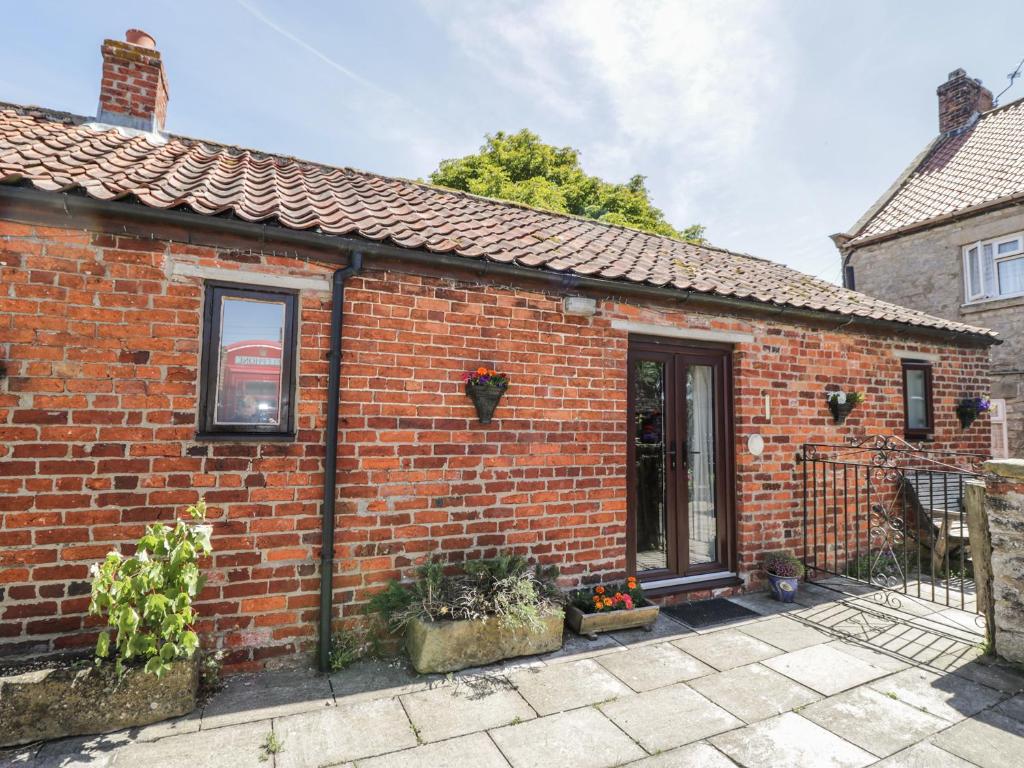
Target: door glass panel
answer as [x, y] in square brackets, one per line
[651, 507]
[700, 446]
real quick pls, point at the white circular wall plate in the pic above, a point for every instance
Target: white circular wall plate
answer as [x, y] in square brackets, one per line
[755, 444]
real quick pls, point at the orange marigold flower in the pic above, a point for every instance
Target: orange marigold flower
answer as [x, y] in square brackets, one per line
[481, 371]
[492, 373]
[618, 595]
[608, 601]
[599, 590]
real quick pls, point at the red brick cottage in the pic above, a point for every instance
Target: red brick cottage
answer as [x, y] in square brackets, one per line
[166, 334]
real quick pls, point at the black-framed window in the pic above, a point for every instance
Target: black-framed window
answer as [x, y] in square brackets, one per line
[918, 413]
[248, 366]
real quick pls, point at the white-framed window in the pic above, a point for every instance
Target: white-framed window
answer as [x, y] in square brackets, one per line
[997, 418]
[994, 268]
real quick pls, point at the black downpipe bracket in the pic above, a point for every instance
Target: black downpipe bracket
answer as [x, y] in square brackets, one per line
[331, 457]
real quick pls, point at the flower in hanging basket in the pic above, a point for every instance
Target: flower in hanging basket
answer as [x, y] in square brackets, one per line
[968, 409]
[485, 386]
[841, 403]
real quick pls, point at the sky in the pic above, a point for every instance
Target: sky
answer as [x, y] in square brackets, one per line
[773, 124]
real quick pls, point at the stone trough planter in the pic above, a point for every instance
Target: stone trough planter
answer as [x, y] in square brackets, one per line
[447, 646]
[61, 700]
[590, 624]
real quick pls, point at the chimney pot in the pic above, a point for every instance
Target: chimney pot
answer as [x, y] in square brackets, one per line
[961, 100]
[133, 85]
[140, 38]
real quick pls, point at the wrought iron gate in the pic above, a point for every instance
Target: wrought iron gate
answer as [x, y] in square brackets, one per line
[883, 512]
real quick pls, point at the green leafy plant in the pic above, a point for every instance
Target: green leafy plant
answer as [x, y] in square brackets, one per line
[350, 645]
[147, 597]
[504, 588]
[272, 745]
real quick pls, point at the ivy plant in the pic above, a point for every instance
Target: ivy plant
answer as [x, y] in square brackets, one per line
[147, 597]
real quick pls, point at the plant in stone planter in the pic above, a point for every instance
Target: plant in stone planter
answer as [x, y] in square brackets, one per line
[147, 601]
[970, 408]
[841, 403]
[784, 573]
[147, 598]
[609, 607]
[485, 387]
[477, 613]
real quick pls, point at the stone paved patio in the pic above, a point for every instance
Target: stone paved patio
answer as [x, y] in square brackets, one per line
[835, 680]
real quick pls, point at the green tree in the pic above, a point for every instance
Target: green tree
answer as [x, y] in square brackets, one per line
[520, 168]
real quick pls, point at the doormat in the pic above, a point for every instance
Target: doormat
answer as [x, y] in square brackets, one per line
[708, 613]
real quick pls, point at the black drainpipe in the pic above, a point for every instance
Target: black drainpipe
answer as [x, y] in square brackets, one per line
[331, 458]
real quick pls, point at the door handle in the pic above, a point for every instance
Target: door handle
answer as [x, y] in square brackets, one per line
[672, 454]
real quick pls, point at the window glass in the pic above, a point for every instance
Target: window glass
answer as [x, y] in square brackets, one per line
[974, 273]
[1011, 276]
[1009, 246]
[917, 399]
[249, 370]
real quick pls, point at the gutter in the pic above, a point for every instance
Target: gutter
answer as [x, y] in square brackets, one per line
[136, 219]
[331, 457]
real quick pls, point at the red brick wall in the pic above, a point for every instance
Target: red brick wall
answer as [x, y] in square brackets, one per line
[98, 413]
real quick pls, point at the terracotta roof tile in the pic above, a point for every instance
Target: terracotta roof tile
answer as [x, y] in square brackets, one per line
[57, 152]
[982, 165]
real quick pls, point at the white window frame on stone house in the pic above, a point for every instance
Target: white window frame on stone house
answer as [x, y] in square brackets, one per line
[984, 262]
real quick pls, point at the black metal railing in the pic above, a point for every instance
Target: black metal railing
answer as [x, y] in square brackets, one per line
[882, 512]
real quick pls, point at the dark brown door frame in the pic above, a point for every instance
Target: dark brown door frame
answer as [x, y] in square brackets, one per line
[720, 358]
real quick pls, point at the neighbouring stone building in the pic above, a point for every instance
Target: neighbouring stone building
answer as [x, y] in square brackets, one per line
[948, 237]
[179, 319]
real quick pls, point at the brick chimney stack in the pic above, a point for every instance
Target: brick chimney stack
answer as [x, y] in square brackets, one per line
[961, 99]
[133, 90]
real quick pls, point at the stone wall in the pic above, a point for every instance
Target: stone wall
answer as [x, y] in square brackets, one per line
[924, 270]
[98, 420]
[996, 520]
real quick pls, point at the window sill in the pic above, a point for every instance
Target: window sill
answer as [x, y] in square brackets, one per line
[991, 305]
[663, 587]
[245, 437]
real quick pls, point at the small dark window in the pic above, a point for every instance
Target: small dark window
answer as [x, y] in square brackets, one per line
[248, 367]
[917, 400]
[851, 278]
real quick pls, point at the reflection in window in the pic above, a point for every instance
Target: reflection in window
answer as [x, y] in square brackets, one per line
[917, 393]
[700, 445]
[649, 444]
[248, 357]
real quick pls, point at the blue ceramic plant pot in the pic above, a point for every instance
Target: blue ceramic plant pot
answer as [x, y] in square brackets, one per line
[783, 587]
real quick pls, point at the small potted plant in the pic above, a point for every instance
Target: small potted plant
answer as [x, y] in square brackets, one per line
[485, 386]
[842, 403]
[970, 408]
[784, 572]
[610, 607]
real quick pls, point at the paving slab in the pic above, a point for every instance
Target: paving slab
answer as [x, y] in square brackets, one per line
[1000, 676]
[989, 740]
[950, 697]
[76, 752]
[1012, 708]
[654, 666]
[582, 738]
[874, 657]
[873, 721]
[727, 648]
[669, 717]
[825, 669]
[697, 755]
[559, 687]
[235, 746]
[785, 633]
[250, 697]
[789, 741]
[924, 755]
[753, 692]
[576, 647]
[468, 706]
[473, 751]
[347, 732]
[764, 604]
[377, 679]
[664, 629]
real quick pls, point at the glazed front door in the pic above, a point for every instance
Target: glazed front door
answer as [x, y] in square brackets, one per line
[678, 460]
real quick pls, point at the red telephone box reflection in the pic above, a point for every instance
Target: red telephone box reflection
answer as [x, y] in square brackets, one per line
[250, 383]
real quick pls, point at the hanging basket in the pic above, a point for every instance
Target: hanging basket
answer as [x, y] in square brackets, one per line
[485, 398]
[840, 410]
[966, 415]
